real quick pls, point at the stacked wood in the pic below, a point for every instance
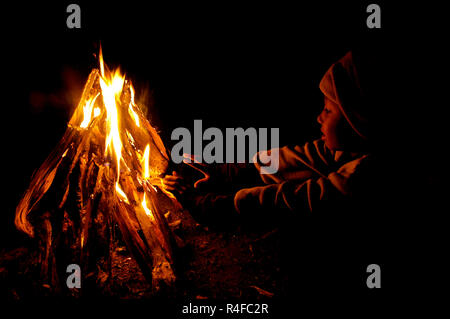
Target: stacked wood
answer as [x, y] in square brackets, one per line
[72, 207]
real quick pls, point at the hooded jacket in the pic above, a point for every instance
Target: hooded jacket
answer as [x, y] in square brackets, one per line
[310, 178]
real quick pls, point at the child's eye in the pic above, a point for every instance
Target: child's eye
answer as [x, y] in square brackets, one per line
[327, 110]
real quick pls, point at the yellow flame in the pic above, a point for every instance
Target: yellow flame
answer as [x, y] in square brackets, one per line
[130, 107]
[121, 193]
[111, 85]
[96, 112]
[146, 209]
[145, 162]
[102, 66]
[87, 112]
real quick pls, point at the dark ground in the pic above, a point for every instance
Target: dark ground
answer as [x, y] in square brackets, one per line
[210, 265]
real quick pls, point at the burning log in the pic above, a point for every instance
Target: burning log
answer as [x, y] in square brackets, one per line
[105, 171]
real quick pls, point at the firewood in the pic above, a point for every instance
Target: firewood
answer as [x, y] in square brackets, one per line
[79, 194]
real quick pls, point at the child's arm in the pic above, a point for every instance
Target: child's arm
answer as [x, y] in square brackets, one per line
[311, 195]
[301, 163]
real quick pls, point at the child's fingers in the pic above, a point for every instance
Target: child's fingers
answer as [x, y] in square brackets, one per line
[172, 185]
[175, 183]
[172, 178]
[169, 188]
[175, 188]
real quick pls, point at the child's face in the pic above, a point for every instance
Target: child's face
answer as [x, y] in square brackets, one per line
[332, 125]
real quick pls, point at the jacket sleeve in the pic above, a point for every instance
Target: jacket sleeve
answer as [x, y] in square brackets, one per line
[307, 179]
[298, 163]
[308, 196]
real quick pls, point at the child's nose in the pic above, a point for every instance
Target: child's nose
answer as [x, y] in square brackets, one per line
[319, 118]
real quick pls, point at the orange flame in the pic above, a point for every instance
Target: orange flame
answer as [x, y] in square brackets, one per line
[146, 209]
[112, 84]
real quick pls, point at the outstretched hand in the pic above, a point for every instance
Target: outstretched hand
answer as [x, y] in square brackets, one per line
[176, 184]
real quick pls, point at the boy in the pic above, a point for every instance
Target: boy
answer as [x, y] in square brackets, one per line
[314, 177]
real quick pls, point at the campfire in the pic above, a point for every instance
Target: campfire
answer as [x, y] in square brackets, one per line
[102, 179]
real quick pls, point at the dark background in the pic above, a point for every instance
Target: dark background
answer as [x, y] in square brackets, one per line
[229, 64]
